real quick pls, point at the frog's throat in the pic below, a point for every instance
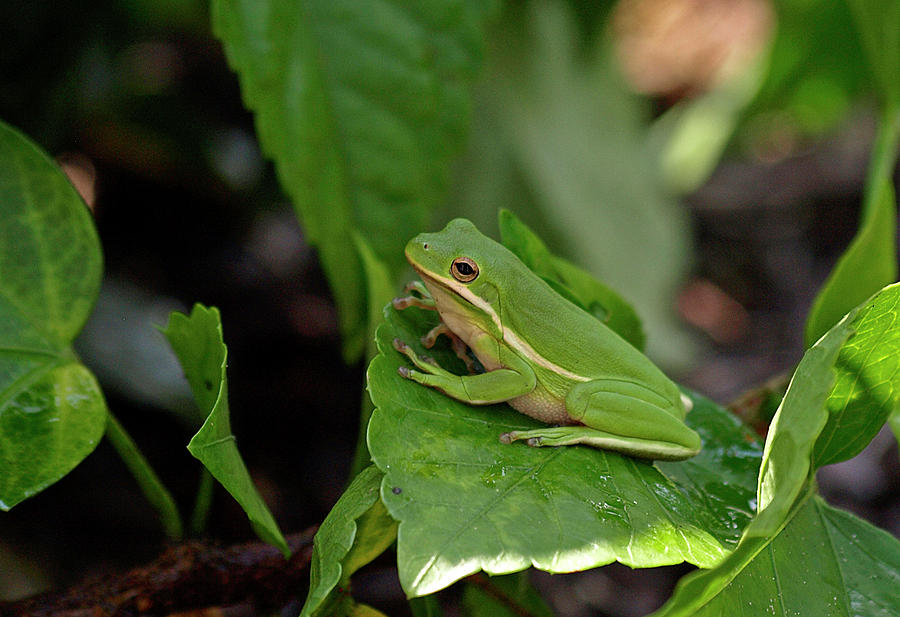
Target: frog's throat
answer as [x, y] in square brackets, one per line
[511, 338]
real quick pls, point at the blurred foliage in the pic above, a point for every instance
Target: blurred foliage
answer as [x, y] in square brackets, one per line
[559, 140]
[142, 90]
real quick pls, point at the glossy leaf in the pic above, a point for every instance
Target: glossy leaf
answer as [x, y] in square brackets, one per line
[361, 105]
[841, 394]
[821, 563]
[572, 282]
[867, 386]
[52, 412]
[467, 502]
[357, 530]
[198, 343]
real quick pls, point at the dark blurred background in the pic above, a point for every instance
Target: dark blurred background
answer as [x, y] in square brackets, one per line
[762, 160]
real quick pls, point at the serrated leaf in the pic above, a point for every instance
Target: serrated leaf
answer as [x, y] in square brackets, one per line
[357, 530]
[361, 104]
[467, 502]
[868, 264]
[841, 394]
[821, 563]
[197, 341]
[572, 282]
[52, 412]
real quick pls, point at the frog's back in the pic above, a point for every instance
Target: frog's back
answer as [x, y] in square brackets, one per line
[567, 336]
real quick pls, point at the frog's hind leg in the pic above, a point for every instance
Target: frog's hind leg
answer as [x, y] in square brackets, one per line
[583, 435]
[622, 417]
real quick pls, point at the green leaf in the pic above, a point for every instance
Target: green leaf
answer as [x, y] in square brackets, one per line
[572, 282]
[868, 264]
[357, 530]
[362, 106]
[52, 412]
[814, 74]
[198, 343]
[867, 386]
[821, 563]
[467, 502]
[878, 24]
[841, 394]
[894, 422]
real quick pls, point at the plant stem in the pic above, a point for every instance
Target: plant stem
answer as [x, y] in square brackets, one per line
[150, 484]
[202, 503]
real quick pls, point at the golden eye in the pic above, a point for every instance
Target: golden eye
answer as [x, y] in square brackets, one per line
[464, 269]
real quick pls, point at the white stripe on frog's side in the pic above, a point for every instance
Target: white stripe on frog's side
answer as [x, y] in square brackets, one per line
[510, 337]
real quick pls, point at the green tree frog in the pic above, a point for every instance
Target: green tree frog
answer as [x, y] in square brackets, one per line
[542, 354]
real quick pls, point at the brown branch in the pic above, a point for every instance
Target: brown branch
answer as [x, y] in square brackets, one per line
[483, 582]
[185, 577]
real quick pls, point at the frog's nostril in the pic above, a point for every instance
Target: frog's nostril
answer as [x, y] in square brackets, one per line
[425, 246]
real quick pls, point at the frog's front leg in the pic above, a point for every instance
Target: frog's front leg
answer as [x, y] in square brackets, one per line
[515, 379]
[458, 346]
[418, 296]
[622, 417]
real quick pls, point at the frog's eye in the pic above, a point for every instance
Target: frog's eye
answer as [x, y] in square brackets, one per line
[464, 269]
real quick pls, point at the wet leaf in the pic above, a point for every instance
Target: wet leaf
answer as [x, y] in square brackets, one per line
[821, 563]
[842, 392]
[467, 502]
[362, 106]
[52, 412]
[198, 343]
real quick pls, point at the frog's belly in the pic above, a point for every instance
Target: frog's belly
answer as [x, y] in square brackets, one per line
[541, 405]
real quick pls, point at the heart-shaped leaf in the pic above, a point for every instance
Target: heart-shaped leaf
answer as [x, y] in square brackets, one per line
[467, 502]
[197, 341]
[52, 412]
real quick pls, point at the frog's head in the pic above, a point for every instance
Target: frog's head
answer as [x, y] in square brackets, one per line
[464, 270]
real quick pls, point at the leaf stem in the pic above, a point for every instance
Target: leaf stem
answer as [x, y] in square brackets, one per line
[150, 484]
